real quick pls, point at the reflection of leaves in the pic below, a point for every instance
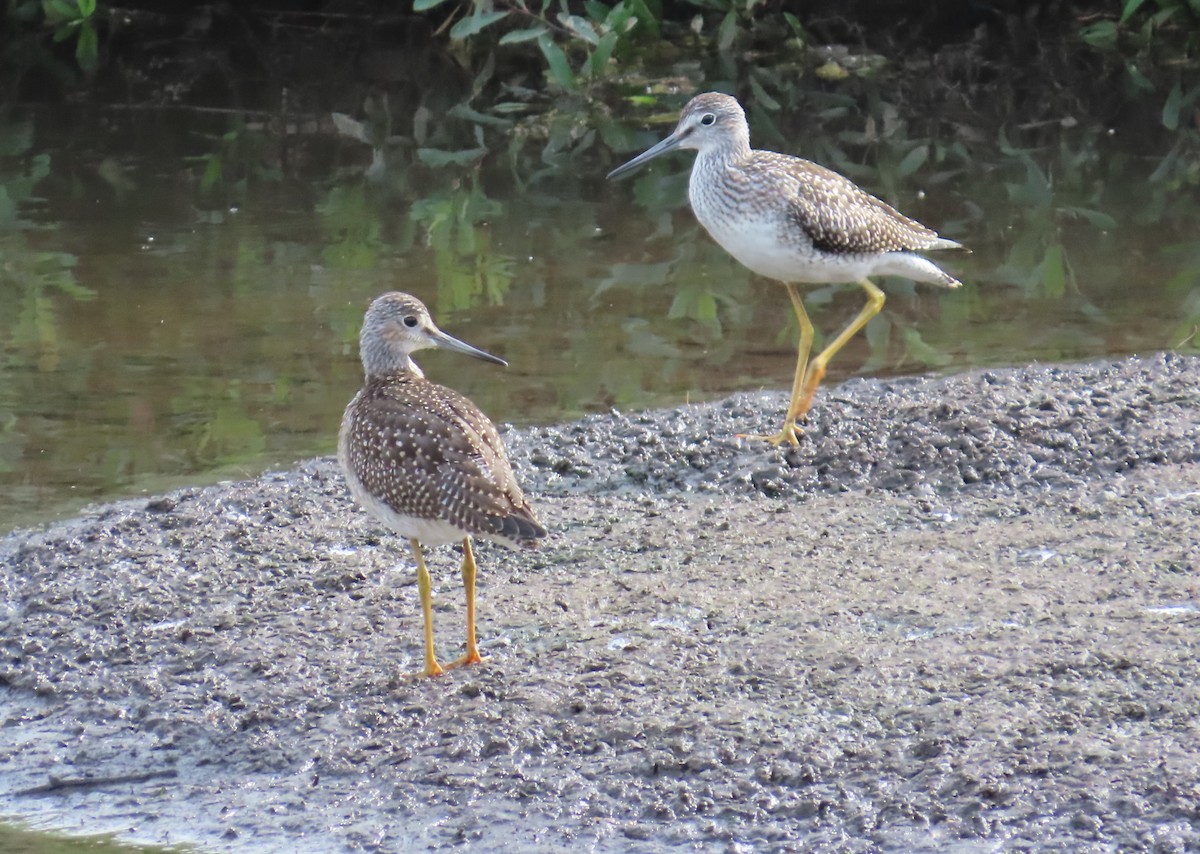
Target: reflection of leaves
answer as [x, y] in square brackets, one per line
[1052, 272]
[29, 277]
[641, 340]
[231, 435]
[237, 155]
[17, 187]
[879, 337]
[917, 350]
[15, 138]
[698, 304]
[437, 158]
[634, 277]
[1099, 219]
[468, 268]
[352, 229]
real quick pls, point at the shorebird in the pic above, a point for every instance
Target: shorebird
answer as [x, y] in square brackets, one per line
[794, 221]
[423, 460]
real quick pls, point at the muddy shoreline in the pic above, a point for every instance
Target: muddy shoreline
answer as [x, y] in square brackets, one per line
[962, 616]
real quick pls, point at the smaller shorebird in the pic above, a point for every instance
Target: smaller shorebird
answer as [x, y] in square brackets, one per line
[794, 221]
[423, 460]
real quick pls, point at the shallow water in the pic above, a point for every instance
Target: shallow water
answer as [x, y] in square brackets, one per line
[161, 327]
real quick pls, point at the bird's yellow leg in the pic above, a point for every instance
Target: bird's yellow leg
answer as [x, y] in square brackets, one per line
[816, 370]
[425, 587]
[468, 576]
[789, 431]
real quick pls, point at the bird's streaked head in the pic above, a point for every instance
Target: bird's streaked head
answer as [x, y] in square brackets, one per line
[709, 122]
[396, 326]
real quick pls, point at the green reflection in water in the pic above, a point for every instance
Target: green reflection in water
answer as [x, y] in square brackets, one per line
[18, 840]
[158, 331]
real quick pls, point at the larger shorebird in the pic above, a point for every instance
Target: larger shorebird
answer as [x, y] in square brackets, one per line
[794, 221]
[423, 460]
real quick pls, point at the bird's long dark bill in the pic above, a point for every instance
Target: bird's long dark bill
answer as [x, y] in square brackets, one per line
[663, 147]
[449, 342]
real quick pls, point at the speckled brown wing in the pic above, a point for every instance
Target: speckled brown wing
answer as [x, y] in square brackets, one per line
[834, 212]
[426, 451]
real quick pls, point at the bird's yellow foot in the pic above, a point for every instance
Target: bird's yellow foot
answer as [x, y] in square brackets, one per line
[790, 434]
[472, 657]
[430, 670]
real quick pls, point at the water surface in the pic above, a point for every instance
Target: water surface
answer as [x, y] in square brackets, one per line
[160, 327]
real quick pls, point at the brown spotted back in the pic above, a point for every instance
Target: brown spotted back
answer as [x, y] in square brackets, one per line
[425, 451]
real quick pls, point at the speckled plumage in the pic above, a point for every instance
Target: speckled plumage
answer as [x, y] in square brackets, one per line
[790, 219]
[427, 454]
[794, 221]
[423, 460]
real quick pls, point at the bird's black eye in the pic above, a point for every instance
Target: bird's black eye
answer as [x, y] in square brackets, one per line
[411, 321]
[707, 119]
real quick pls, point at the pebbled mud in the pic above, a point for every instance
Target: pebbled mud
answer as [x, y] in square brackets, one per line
[963, 616]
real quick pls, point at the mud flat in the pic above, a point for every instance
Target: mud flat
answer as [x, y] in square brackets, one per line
[962, 616]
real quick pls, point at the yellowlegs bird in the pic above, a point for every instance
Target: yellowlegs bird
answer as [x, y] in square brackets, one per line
[423, 460]
[796, 222]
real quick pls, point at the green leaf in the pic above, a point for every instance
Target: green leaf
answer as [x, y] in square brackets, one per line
[212, 174]
[645, 18]
[797, 27]
[510, 107]
[39, 167]
[86, 8]
[558, 69]
[87, 48]
[760, 95]
[1171, 108]
[9, 218]
[15, 138]
[66, 283]
[1140, 80]
[462, 111]
[426, 5]
[598, 61]
[58, 11]
[472, 25]
[728, 31]
[1102, 34]
[913, 161]
[916, 348]
[1054, 276]
[439, 157]
[618, 17]
[879, 338]
[1131, 6]
[581, 27]
[517, 36]
[1097, 218]
[484, 75]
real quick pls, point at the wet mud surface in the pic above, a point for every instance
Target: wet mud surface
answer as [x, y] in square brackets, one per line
[962, 616]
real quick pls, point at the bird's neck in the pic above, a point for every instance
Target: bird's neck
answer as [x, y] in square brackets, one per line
[379, 360]
[733, 150]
